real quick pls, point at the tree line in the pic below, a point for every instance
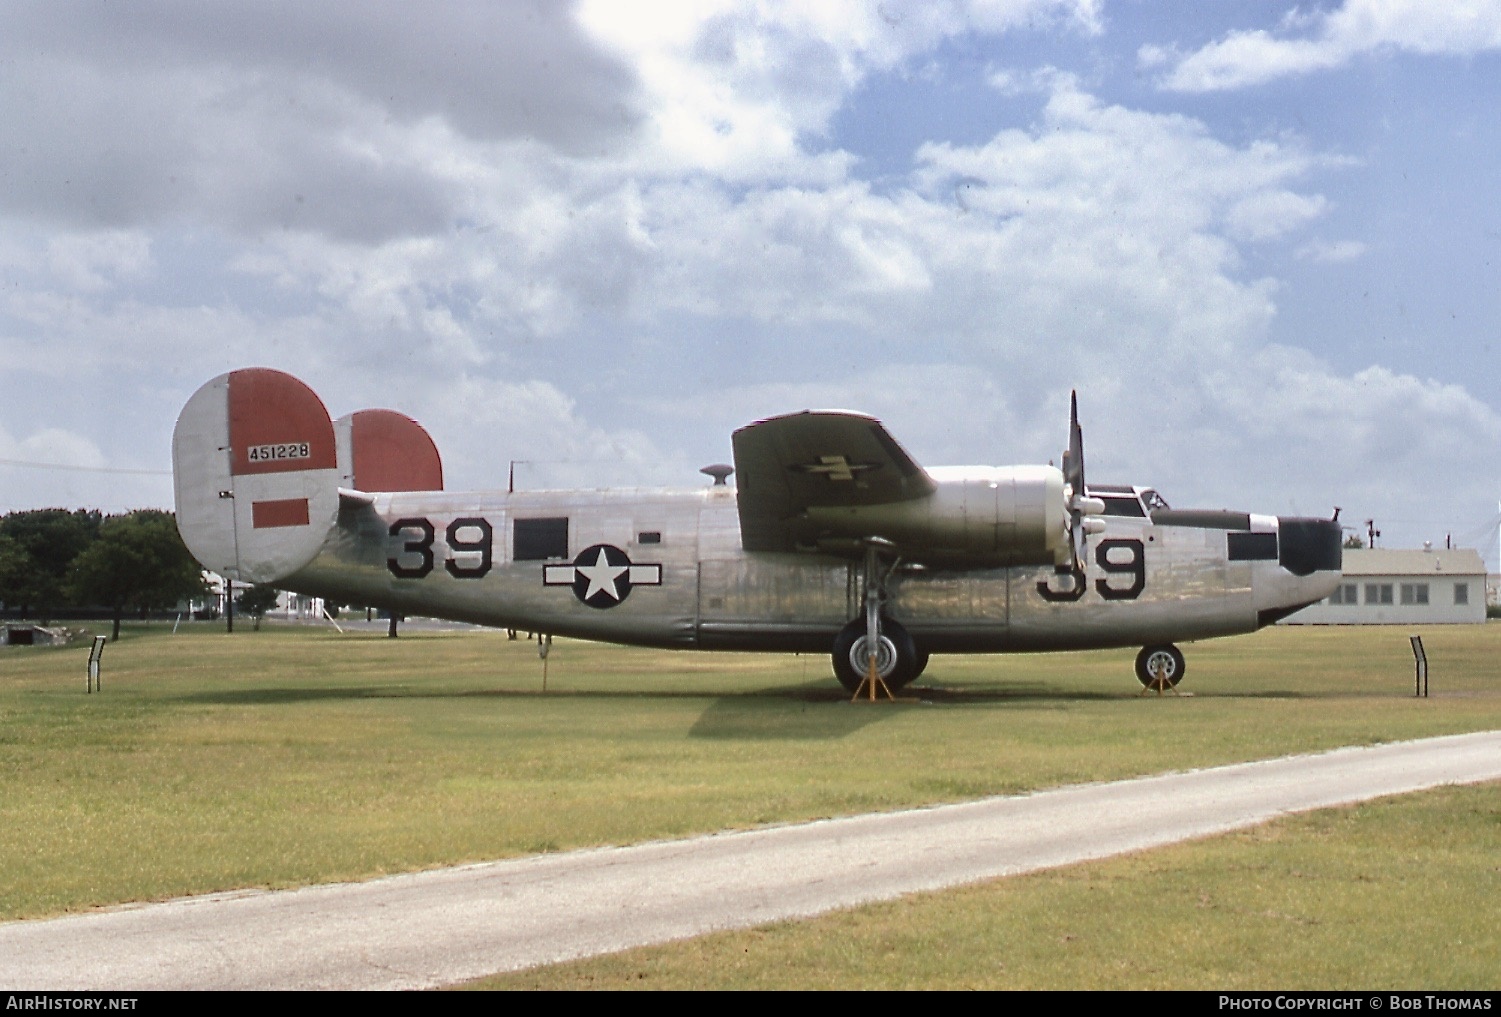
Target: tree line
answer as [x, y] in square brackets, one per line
[55, 559]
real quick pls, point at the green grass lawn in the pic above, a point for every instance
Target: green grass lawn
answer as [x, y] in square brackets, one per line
[297, 755]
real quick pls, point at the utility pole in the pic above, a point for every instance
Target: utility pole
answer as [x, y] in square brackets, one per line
[1371, 532]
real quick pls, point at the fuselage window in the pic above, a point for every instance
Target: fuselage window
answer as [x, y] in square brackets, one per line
[539, 539]
[649, 537]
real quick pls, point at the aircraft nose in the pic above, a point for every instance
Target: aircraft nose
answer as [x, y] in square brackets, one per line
[1305, 546]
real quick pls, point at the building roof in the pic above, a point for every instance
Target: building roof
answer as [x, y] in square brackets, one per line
[1383, 561]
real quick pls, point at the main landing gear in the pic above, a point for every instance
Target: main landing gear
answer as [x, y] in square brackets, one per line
[897, 659]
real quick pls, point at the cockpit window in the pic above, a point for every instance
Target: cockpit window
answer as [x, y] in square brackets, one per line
[1153, 500]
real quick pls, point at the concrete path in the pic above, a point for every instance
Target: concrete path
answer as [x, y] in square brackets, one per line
[436, 928]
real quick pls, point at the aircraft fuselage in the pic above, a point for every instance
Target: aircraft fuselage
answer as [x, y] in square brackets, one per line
[666, 568]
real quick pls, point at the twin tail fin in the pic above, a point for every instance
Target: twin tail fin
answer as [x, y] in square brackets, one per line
[258, 466]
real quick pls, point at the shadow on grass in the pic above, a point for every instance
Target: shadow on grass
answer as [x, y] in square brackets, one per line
[765, 714]
[1021, 692]
[813, 711]
[770, 699]
[250, 697]
[800, 712]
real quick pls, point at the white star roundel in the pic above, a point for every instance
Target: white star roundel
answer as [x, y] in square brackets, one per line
[602, 576]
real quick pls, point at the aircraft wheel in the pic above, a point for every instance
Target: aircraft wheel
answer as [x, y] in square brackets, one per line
[920, 663]
[896, 657]
[1166, 658]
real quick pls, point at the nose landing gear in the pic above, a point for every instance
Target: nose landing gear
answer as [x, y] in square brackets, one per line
[1159, 668]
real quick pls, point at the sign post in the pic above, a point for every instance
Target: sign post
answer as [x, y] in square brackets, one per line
[95, 655]
[1420, 664]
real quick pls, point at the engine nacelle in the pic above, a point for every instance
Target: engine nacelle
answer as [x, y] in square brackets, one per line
[979, 515]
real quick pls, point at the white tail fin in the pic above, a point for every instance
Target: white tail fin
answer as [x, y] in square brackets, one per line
[255, 466]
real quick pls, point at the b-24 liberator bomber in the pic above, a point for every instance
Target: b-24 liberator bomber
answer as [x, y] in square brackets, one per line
[833, 539]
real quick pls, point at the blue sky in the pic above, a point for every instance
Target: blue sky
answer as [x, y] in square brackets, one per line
[1260, 239]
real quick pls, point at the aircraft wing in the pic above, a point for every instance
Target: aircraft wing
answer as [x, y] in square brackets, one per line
[786, 465]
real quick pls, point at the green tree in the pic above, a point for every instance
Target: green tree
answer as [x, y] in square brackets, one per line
[1354, 542]
[15, 569]
[49, 540]
[139, 561]
[256, 601]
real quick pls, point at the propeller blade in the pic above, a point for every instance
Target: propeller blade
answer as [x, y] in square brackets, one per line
[1075, 446]
[1073, 475]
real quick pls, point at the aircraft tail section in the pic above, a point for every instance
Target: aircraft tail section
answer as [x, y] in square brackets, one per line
[256, 470]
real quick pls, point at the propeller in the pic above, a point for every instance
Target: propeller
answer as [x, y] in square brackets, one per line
[1080, 505]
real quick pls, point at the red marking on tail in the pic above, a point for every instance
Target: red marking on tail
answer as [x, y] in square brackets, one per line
[277, 425]
[392, 452]
[287, 512]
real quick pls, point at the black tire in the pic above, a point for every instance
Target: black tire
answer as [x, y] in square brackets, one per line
[1165, 656]
[920, 664]
[896, 663]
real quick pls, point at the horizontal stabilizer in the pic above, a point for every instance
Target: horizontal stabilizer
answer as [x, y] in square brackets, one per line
[255, 467]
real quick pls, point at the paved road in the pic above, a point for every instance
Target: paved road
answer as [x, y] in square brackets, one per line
[435, 928]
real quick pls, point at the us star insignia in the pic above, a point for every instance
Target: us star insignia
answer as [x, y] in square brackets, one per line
[602, 575]
[835, 467]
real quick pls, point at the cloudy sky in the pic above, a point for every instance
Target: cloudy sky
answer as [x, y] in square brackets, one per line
[1263, 241]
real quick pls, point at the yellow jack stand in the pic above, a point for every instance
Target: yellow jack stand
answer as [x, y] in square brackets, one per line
[872, 682]
[1159, 683]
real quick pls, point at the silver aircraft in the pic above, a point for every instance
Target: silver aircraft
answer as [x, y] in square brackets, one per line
[833, 540]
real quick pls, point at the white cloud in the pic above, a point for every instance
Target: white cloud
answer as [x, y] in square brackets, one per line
[736, 90]
[54, 467]
[481, 425]
[1332, 252]
[94, 261]
[1245, 58]
[1269, 214]
[52, 446]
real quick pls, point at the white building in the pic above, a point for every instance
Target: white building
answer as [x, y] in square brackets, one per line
[1396, 587]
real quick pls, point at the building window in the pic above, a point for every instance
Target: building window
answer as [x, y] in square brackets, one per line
[1461, 593]
[1378, 593]
[1414, 594]
[539, 539]
[1345, 593]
